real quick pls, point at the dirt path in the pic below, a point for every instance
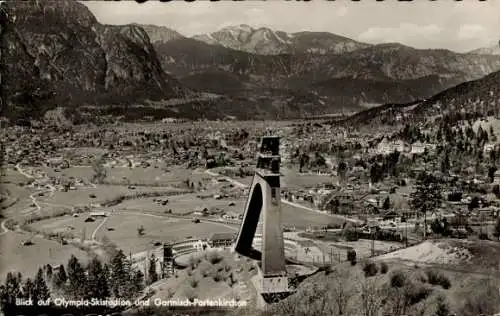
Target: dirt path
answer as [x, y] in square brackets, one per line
[5, 230]
[97, 228]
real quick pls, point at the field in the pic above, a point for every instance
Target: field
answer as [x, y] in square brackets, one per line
[301, 252]
[17, 197]
[362, 247]
[156, 228]
[18, 200]
[246, 180]
[291, 215]
[12, 176]
[293, 180]
[102, 193]
[300, 218]
[68, 224]
[125, 175]
[77, 172]
[180, 204]
[27, 259]
[150, 175]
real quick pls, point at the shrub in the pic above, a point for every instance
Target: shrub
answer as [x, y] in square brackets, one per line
[193, 282]
[484, 236]
[483, 301]
[442, 308]
[205, 272]
[351, 256]
[370, 269]
[351, 235]
[214, 257]
[398, 279]
[231, 280]
[140, 231]
[384, 268]
[192, 262]
[218, 276]
[191, 295]
[416, 292]
[437, 278]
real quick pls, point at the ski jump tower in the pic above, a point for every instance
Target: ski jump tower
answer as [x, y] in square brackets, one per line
[265, 197]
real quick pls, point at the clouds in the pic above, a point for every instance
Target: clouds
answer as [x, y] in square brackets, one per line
[472, 31]
[402, 33]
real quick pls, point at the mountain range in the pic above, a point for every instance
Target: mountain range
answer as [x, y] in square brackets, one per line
[489, 50]
[479, 97]
[320, 82]
[59, 55]
[264, 41]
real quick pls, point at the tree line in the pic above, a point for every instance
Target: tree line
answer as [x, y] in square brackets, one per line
[116, 279]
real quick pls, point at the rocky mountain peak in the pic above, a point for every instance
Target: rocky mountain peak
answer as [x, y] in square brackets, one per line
[59, 54]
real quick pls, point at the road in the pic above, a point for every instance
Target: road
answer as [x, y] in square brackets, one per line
[29, 210]
[97, 228]
[27, 175]
[4, 228]
[284, 201]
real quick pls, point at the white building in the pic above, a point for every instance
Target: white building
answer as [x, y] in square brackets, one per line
[386, 147]
[417, 148]
[488, 147]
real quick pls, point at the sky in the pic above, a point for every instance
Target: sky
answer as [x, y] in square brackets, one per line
[456, 25]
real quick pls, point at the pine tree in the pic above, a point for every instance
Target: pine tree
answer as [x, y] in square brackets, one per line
[493, 155]
[97, 283]
[119, 274]
[138, 281]
[76, 277]
[442, 307]
[427, 197]
[387, 203]
[29, 289]
[106, 273]
[48, 272]
[99, 170]
[11, 290]
[491, 173]
[445, 163]
[497, 228]
[40, 289]
[60, 278]
[152, 272]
